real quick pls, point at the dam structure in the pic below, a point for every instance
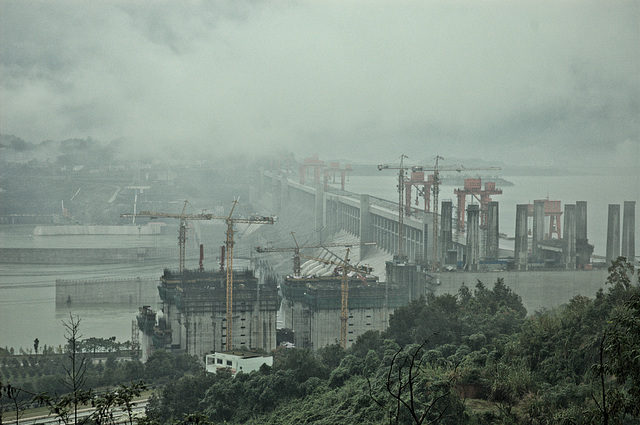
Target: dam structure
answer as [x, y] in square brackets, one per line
[546, 268]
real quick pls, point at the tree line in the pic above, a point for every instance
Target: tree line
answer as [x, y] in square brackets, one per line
[469, 358]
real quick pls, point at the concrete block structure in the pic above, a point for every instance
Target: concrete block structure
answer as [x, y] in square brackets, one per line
[312, 308]
[194, 312]
[135, 291]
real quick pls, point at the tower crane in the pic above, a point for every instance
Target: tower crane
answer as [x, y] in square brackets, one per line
[229, 248]
[296, 251]
[401, 183]
[182, 232]
[435, 187]
[344, 289]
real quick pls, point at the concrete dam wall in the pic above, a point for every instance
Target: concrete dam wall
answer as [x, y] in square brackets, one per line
[538, 289]
[83, 255]
[134, 291]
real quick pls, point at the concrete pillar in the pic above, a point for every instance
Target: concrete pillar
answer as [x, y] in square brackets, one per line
[569, 236]
[628, 231]
[493, 232]
[538, 230]
[613, 233]
[366, 225]
[581, 221]
[446, 231]
[427, 228]
[319, 212]
[522, 241]
[473, 237]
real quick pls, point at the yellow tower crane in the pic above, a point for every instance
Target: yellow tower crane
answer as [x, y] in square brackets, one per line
[182, 232]
[229, 247]
[344, 289]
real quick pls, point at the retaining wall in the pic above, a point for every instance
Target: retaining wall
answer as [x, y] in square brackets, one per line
[83, 255]
[538, 289]
[134, 291]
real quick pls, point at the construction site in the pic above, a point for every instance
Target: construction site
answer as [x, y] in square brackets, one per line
[354, 259]
[313, 252]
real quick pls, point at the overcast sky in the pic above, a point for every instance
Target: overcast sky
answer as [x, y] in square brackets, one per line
[553, 82]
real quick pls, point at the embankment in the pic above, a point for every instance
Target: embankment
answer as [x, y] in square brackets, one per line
[538, 289]
[134, 291]
[84, 255]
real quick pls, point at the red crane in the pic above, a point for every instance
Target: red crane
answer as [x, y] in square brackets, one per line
[473, 187]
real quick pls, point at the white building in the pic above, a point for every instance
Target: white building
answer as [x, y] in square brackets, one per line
[237, 361]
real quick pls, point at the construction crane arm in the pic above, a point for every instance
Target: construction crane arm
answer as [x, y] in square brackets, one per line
[153, 215]
[187, 217]
[296, 248]
[458, 168]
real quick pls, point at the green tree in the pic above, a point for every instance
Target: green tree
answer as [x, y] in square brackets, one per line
[418, 391]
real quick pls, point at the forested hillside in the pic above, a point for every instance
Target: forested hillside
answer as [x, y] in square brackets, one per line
[473, 358]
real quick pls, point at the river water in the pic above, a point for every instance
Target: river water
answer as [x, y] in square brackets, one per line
[27, 292]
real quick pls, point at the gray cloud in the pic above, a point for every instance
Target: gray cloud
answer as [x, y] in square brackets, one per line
[371, 79]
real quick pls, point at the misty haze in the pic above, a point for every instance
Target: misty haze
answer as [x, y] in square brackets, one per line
[320, 212]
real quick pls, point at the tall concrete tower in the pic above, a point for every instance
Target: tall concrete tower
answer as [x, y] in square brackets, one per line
[570, 236]
[538, 229]
[628, 231]
[473, 237]
[446, 230]
[581, 221]
[613, 233]
[522, 241]
[493, 232]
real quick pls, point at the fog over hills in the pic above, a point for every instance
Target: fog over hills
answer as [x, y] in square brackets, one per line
[544, 83]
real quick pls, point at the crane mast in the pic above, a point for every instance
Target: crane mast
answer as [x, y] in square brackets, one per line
[436, 169]
[182, 237]
[182, 231]
[401, 172]
[229, 248]
[344, 291]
